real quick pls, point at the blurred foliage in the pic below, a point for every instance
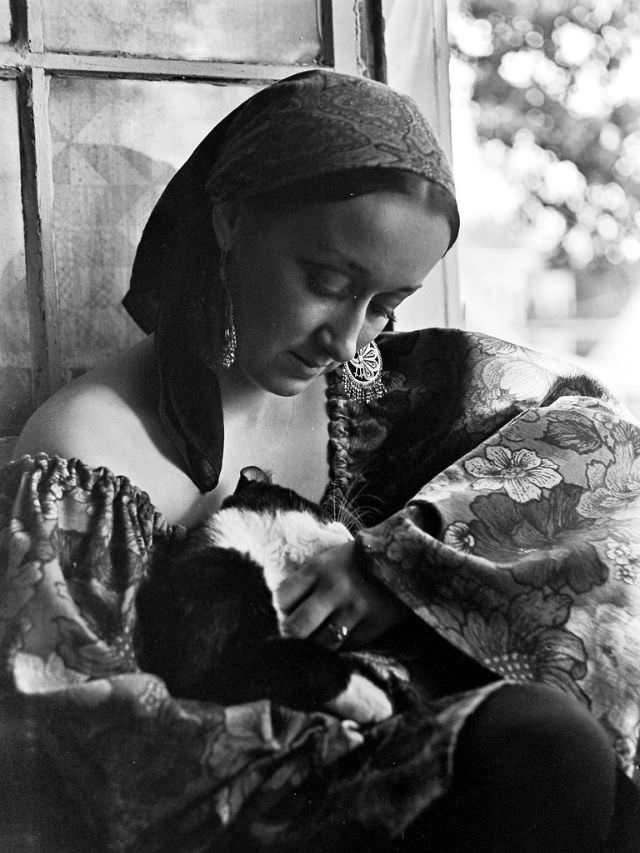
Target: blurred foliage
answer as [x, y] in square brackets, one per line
[557, 95]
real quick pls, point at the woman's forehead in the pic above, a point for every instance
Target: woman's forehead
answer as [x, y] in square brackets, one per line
[392, 217]
[381, 235]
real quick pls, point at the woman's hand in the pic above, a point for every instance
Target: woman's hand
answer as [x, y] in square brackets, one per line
[330, 592]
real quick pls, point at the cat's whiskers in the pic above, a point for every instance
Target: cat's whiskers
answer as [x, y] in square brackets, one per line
[352, 507]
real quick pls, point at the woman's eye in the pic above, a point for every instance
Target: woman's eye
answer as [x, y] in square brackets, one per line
[328, 283]
[333, 284]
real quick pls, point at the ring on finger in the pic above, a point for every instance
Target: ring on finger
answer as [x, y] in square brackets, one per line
[337, 633]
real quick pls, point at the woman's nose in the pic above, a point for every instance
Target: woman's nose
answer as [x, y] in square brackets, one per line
[339, 336]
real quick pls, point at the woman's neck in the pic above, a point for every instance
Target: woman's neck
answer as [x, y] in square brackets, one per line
[246, 403]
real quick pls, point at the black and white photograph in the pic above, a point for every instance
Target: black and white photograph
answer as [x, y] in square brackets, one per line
[320, 426]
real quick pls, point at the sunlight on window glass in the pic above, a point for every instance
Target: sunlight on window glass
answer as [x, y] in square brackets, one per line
[5, 21]
[116, 145]
[231, 30]
[546, 127]
[410, 53]
[15, 359]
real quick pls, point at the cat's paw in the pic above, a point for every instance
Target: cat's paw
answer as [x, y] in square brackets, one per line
[361, 701]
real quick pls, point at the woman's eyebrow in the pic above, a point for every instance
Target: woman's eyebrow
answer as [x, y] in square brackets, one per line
[327, 248]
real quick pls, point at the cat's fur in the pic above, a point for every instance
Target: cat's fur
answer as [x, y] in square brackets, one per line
[209, 621]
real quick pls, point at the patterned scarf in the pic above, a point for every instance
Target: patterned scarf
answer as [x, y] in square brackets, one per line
[314, 123]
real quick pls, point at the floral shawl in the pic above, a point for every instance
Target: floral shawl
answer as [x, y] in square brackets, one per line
[500, 493]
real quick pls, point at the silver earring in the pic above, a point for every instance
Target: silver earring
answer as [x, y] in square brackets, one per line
[361, 375]
[230, 340]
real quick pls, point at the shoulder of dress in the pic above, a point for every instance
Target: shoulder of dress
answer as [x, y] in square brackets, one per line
[46, 480]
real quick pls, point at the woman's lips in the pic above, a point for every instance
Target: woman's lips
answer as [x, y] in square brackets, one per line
[313, 364]
[305, 367]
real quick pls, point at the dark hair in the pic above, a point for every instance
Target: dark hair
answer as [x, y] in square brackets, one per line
[340, 186]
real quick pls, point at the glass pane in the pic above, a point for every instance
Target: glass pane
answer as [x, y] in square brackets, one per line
[5, 21]
[116, 144]
[412, 68]
[15, 359]
[233, 30]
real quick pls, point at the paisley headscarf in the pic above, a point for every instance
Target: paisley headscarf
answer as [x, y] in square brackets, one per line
[314, 123]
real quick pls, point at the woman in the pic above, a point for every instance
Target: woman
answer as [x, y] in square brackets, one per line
[273, 260]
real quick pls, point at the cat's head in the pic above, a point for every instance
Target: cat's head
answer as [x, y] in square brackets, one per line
[255, 491]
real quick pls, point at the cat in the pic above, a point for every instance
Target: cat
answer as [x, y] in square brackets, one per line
[209, 622]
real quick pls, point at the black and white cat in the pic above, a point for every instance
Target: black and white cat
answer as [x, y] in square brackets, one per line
[209, 621]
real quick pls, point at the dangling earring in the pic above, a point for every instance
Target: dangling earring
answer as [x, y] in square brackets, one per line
[361, 375]
[230, 340]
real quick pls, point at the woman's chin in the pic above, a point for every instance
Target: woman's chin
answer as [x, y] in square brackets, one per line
[286, 376]
[277, 382]
[287, 387]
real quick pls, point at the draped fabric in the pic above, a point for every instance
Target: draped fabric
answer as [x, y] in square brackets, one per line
[500, 494]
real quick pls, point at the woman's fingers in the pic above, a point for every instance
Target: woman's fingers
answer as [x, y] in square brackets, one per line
[326, 571]
[294, 589]
[311, 614]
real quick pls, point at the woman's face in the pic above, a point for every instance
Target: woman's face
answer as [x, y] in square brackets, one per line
[313, 285]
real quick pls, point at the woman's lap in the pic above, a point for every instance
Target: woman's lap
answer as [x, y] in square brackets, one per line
[533, 770]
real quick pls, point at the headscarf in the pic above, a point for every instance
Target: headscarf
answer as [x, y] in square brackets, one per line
[314, 123]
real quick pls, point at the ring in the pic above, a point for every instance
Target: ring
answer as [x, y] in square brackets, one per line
[339, 633]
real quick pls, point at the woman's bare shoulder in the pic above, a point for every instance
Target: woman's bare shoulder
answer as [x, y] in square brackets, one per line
[108, 419]
[95, 417]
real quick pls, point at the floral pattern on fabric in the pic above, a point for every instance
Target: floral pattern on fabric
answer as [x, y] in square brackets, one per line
[522, 474]
[534, 568]
[507, 519]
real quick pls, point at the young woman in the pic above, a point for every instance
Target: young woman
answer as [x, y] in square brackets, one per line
[492, 486]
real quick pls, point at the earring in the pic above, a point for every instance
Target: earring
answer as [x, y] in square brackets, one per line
[361, 375]
[230, 340]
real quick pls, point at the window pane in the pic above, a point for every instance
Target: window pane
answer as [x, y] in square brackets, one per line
[233, 30]
[415, 66]
[116, 144]
[15, 360]
[5, 21]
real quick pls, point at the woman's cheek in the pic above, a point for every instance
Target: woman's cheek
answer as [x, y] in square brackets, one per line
[308, 314]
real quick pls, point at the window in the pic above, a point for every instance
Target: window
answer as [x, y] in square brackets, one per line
[417, 63]
[101, 102]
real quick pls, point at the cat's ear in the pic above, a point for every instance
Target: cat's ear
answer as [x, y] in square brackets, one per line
[252, 474]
